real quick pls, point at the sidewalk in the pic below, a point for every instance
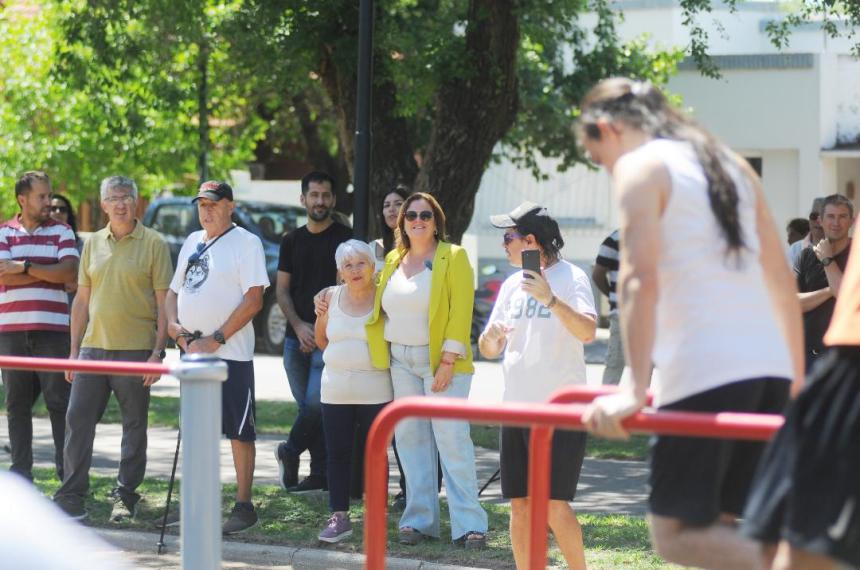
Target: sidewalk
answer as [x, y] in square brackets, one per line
[139, 548]
[605, 486]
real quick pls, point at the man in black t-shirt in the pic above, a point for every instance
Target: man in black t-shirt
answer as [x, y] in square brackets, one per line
[819, 272]
[306, 266]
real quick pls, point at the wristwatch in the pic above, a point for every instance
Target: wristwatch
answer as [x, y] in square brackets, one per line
[825, 261]
[219, 337]
[27, 264]
[161, 355]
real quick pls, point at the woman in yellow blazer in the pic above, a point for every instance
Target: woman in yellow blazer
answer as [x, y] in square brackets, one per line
[420, 326]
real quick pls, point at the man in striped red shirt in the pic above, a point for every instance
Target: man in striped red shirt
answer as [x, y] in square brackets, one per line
[37, 257]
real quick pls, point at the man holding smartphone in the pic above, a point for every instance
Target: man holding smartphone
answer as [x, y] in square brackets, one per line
[819, 272]
[542, 318]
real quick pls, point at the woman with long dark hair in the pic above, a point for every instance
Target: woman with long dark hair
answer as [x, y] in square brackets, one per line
[706, 295]
[63, 212]
[388, 213]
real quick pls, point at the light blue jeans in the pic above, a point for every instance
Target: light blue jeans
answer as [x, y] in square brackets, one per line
[418, 441]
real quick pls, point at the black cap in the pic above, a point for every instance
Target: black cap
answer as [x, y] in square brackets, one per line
[533, 219]
[214, 190]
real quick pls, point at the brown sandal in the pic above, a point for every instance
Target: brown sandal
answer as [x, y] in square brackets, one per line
[472, 540]
[409, 536]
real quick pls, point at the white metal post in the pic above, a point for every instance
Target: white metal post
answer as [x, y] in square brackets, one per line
[200, 378]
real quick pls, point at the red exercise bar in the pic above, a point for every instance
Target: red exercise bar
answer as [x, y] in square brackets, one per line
[540, 463]
[95, 366]
[569, 416]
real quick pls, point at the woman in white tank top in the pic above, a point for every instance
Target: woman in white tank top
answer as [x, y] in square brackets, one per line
[706, 295]
[352, 391]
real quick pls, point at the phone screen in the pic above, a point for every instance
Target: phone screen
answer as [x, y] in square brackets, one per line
[531, 260]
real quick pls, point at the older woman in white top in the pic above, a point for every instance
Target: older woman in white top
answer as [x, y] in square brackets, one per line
[353, 391]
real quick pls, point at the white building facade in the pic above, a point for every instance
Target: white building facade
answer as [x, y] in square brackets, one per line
[795, 112]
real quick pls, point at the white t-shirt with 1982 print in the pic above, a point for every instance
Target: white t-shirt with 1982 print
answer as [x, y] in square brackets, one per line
[541, 355]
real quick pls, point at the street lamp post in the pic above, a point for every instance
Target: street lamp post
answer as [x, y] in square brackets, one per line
[363, 136]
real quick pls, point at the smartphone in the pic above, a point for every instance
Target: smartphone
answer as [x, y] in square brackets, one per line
[531, 261]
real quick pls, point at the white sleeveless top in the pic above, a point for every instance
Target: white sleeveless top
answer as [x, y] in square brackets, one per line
[349, 376]
[715, 321]
[406, 302]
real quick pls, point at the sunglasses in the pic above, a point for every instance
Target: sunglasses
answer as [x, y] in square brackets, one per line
[508, 238]
[59, 209]
[412, 215]
[813, 216]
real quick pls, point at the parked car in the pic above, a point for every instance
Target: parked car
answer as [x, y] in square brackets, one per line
[176, 219]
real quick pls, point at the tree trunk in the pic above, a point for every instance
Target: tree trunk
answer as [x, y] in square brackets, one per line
[473, 112]
[318, 154]
[392, 157]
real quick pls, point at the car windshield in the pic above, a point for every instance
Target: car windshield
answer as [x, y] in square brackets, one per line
[275, 220]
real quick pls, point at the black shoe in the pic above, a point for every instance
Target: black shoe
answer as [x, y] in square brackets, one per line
[398, 505]
[242, 517]
[310, 483]
[288, 466]
[124, 505]
[72, 506]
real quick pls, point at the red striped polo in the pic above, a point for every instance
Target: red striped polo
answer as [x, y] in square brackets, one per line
[40, 305]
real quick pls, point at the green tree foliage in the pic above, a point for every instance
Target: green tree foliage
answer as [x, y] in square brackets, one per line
[161, 89]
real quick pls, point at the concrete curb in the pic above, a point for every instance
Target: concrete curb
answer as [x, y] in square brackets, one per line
[267, 555]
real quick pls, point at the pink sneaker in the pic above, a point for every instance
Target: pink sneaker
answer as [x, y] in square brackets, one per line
[338, 528]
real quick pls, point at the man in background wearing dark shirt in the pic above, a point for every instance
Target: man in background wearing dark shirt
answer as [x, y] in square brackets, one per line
[306, 266]
[819, 272]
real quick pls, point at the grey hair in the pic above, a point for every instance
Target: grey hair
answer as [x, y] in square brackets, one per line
[112, 182]
[353, 248]
[837, 200]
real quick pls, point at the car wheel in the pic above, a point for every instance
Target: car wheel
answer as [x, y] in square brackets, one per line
[273, 327]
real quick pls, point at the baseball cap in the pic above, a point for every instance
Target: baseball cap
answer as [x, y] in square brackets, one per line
[524, 212]
[533, 219]
[214, 190]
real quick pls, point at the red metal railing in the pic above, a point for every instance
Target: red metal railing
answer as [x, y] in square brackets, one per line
[569, 416]
[95, 366]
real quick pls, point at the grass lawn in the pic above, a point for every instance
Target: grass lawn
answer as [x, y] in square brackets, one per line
[611, 541]
[277, 418]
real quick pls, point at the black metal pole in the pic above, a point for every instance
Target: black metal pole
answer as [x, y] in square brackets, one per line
[361, 171]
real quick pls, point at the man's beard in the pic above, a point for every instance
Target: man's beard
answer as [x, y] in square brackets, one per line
[316, 216]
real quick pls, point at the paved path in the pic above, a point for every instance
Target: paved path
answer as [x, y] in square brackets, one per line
[605, 486]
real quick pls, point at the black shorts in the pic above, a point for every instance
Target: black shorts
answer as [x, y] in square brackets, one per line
[696, 479]
[238, 405]
[568, 451]
[807, 490]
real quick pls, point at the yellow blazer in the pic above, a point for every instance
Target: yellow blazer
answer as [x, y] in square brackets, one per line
[452, 297]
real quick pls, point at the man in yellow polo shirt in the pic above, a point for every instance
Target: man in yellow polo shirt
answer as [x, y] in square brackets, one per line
[118, 314]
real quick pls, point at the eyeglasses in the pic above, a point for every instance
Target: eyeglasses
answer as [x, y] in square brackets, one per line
[412, 215]
[126, 199]
[59, 209]
[508, 238]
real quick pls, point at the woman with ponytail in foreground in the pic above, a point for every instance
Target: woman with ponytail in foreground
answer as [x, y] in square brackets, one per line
[706, 295]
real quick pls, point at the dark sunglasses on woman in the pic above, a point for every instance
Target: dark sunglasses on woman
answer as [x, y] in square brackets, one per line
[412, 215]
[59, 209]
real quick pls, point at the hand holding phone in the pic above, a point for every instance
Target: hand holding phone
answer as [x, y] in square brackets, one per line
[531, 261]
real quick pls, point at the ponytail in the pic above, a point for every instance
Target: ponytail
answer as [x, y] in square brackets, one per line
[644, 107]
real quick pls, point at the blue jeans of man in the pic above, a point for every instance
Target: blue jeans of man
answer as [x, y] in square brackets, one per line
[304, 373]
[421, 442]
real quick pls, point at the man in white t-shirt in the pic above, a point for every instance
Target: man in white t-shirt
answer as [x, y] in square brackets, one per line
[540, 321]
[215, 293]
